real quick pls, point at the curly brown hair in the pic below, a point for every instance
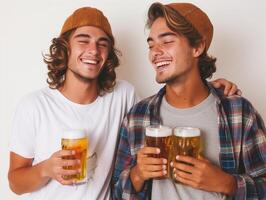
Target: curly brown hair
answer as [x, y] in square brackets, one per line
[57, 61]
[180, 25]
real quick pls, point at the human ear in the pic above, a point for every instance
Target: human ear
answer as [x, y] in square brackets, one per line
[199, 49]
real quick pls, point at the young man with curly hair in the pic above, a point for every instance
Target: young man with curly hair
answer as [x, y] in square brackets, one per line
[232, 131]
[83, 93]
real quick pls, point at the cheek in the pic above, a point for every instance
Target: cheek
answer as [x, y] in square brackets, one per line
[72, 58]
[150, 56]
[104, 55]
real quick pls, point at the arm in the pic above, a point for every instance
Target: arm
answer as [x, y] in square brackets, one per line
[122, 186]
[25, 177]
[251, 184]
[147, 167]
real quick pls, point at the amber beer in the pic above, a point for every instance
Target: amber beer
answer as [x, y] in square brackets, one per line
[76, 140]
[161, 137]
[186, 141]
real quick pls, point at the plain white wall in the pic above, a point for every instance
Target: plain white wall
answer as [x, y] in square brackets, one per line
[28, 26]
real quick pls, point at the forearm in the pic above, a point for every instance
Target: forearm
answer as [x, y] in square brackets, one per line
[136, 180]
[27, 179]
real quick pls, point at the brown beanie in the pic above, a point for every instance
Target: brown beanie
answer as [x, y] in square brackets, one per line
[87, 16]
[197, 18]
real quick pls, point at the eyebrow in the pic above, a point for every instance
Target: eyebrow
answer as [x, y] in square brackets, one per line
[149, 39]
[82, 35]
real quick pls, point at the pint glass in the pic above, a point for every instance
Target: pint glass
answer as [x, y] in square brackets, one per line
[186, 141]
[76, 140]
[161, 137]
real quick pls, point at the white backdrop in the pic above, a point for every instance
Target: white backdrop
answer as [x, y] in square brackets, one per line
[28, 26]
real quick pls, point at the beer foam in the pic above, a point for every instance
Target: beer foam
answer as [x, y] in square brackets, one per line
[74, 134]
[158, 131]
[186, 132]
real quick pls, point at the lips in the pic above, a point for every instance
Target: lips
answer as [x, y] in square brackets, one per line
[89, 61]
[162, 64]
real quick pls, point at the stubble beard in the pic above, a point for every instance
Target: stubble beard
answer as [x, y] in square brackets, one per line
[166, 80]
[81, 77]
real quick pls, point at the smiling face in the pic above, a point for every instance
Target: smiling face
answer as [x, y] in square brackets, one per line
[89, 49]
[170, 53]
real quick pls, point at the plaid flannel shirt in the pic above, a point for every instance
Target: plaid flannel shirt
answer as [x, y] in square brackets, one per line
[242, 153]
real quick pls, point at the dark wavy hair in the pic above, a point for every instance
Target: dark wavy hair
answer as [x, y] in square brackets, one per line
[180, 25]
[57, 61]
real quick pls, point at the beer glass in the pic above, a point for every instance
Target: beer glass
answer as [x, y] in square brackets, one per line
[76, 140]
[161, 137]
[186, 141]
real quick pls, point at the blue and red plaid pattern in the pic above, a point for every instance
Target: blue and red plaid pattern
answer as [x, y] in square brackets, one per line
[242, 145]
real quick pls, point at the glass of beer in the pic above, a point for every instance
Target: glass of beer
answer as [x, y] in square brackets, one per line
[187, 142]
[161, 137]
[76, 140]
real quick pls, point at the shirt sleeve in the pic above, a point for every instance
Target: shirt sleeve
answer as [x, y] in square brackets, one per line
[122, 187]
[132, 96]
[252, 184]
[22, 131]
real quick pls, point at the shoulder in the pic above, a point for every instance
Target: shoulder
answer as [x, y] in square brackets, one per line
[143, 105]
[236, 101]
[31, 100]
[122, 85]
[124, 90]
[238, 106]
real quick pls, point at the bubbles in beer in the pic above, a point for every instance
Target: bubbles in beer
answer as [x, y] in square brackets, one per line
[160, 137]
[186, 141]
[76, 140]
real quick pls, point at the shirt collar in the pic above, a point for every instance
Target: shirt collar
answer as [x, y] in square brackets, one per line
[156, 100]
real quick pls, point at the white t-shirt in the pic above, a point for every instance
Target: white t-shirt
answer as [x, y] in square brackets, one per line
[42, 116]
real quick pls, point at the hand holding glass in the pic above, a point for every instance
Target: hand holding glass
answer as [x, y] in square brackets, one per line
[160, 136]
[76, 140]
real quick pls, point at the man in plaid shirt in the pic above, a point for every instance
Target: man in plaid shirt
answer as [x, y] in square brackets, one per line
[234, 162]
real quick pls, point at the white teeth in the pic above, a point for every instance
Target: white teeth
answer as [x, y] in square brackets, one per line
[159, 64]
[88, 61]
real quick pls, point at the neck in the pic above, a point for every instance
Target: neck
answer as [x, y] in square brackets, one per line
[77, 91]
[186, 94]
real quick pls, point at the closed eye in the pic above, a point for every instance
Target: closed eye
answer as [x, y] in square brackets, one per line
[150, 46]
[103, 44]
[168, 42]
[83, 41]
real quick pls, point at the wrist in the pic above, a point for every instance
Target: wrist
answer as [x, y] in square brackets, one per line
[43, 169]
[137, 181]
[230, 185]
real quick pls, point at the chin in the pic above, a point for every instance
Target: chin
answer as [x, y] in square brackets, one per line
[166, 80]
[160, 81]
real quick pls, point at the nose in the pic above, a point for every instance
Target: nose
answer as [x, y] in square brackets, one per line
[92, 48]
[156, 50]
